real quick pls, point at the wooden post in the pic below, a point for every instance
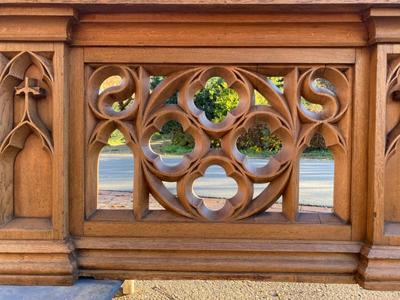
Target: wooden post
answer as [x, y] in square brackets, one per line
[33, 152]
[380, 263]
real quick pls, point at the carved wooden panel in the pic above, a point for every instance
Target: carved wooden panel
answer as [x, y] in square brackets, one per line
[55, 120]
[285, 116]
[392, 153]
[26, 143]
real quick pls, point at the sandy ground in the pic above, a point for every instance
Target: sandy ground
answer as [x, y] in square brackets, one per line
[241, 290]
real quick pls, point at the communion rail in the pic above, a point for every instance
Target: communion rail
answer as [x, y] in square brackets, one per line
[55, 120]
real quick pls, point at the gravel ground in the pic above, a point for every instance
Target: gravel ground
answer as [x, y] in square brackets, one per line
[239, 290]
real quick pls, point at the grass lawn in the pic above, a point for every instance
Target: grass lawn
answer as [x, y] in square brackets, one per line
[167, 148]
[164, 146]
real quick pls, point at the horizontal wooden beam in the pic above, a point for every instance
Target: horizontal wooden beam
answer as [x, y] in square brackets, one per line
[236, 30]
[159, 55]
[244, 2]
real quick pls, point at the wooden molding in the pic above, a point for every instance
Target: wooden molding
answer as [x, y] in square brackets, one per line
[383, 25]
[379, 267]
[317, 261]
[35, 24]
[166, 29]
[44, 262]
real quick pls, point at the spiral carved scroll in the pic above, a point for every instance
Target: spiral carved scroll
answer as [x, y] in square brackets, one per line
[151, 112]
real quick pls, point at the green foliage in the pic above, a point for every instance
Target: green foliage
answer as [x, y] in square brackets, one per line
[216, 99]
[317, 154]
[116, 138]
[259, 139]
[175, 149]
[317, 143]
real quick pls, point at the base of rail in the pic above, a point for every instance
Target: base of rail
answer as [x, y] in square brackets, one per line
[32, 262]
[295, 261]
[380, 268]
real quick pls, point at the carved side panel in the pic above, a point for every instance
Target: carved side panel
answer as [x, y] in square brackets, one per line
[26, 143]
[392, 153]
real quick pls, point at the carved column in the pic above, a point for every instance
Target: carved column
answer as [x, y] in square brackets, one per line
[380, 257]
[33, 144]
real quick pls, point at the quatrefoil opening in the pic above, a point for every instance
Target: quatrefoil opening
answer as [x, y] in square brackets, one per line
[202, 101]
[201, 143]
[231, 206]
[276, 131]
[258, 144]
[171, 143]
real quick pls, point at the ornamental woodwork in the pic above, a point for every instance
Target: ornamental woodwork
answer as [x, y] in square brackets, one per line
[26, 148]
[56, 119]
[285, 117]
[392, 141]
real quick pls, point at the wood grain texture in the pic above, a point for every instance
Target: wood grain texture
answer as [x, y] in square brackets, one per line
[261, 262]
[225, 55]
[147, 33]
[54, 121]
[183, 2]
[45, 262]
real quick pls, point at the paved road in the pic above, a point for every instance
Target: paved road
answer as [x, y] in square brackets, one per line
[316, 179]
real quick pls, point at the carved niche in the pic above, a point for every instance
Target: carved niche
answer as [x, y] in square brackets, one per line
[26, 143]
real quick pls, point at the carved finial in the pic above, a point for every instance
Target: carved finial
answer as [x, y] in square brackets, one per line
[30, 86]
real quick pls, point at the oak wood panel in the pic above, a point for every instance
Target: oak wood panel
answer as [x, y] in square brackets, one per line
[33, 165]
[272, 231]
[183, 2]
[383, 25]
[279, 38]
[44, 262]
[60, 178]
[226, 55]
[377, 138]
[164, 275]
[76, 143]
[359, 183]
[258, 18]
[224, 34]
[270, 265]
[193, 244]
[16, 28]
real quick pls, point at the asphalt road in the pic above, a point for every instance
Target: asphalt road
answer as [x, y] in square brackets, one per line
[316, 179]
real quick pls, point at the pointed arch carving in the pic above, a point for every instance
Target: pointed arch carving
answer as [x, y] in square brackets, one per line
[26, 79]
